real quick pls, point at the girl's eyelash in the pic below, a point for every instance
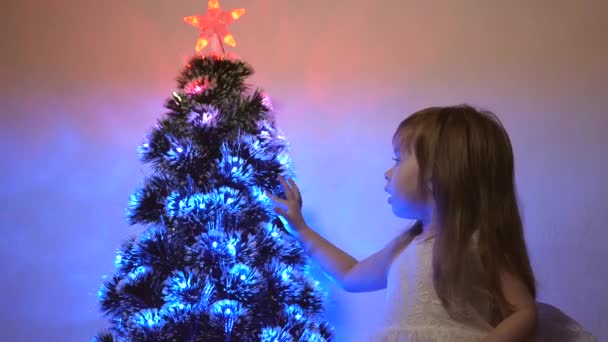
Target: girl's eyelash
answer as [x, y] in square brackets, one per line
[396, 159]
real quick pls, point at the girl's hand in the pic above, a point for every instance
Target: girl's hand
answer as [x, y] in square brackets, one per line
[291, 207]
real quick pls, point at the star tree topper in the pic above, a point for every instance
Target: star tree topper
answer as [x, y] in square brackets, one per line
[214, 23]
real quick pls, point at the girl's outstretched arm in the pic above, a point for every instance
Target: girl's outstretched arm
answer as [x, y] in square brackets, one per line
[519, 325]
[369, 274]
[350, 274]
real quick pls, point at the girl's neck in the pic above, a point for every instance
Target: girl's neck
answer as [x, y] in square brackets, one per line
[429, 230]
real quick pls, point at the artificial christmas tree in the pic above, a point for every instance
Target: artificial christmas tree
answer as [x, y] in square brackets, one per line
[214, 263]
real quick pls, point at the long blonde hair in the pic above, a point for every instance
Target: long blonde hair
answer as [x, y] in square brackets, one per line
[468, 158]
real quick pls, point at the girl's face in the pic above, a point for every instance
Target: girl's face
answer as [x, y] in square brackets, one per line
[406, 199]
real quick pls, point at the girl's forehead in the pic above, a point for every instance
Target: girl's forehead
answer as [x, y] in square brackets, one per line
[403, 139]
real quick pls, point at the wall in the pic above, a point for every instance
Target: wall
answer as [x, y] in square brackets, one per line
[83, 80]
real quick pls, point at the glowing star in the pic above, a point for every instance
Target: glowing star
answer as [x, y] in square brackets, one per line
[214, 23]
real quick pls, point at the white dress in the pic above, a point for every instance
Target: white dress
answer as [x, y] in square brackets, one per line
[414, 312]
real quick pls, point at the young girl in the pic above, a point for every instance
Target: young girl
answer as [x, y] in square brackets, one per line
[461, 272]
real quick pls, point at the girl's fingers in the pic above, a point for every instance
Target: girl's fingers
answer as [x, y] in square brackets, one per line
[280, 211]
[295, 190]
[276, 199]
[287, 188]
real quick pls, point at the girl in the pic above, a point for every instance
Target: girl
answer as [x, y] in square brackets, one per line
[461, 272]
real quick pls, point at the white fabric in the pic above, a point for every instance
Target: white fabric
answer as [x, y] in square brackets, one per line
[415, 314]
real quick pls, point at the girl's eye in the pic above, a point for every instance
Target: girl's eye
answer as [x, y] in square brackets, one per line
[396, 159]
